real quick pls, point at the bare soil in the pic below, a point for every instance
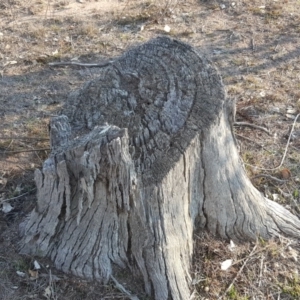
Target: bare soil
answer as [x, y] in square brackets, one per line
[256, 47]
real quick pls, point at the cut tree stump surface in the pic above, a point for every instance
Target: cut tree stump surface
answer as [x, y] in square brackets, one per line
[143, 155]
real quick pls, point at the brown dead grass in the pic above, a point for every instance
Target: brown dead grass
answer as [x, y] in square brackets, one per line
[255, 45]
[264, 270]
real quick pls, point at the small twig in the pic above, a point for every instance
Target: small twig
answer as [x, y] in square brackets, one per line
[14, 198]
[20, 151]
[23, 138]
[238, 273]
[253, 46]
[261, 270]
[73, 63]
[251, 125]
[8, 145]
[193, 295]
[285, 151]
[47, 7]
[29, 146]
[252, 141]
[230, 38]
[51, 287]
[247, 139]
[121, 288]
[269, 177]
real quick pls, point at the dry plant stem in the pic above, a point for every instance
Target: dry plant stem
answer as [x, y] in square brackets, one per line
[284, 194]
[8, 146]
[17, 197]
[249, 140]
[72, 63]
[261, 270]
[121, 288]
[270, 177]
[23, 138]
[251, 125]
[20, 151]
[193, 295]
[35, 152]
[51, 286]
[47, 8]
[253, 46]
[254, 253]
[238, 273]
[285, 151]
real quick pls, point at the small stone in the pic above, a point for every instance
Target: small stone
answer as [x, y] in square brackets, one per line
[21, 274]
[290, 116]
[293, 253]
[231, 246]
[291, 110]
[167, 28]
[6, 207]
[36, 265]
[225, 265]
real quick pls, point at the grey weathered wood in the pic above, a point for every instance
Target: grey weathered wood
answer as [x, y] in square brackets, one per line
[60, 131]
[152, 156]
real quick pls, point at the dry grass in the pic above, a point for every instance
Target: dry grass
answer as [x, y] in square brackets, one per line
[255, 45]
[264, 270]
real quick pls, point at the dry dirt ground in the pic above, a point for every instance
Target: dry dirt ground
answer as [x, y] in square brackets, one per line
[256, 47]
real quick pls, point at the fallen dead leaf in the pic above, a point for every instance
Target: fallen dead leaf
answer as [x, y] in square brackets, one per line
[6, 207]
[36, 265]
[21, 274]
[167, 28]
[285, 173]
[33, 274]
[231, 246]
[225, 265]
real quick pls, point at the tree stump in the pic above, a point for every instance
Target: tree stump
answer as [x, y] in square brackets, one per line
[142, 156]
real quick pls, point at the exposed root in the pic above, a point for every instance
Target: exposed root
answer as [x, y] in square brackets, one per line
[284, 222]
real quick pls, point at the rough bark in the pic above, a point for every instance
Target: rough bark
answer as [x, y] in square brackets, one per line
[152, 156]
